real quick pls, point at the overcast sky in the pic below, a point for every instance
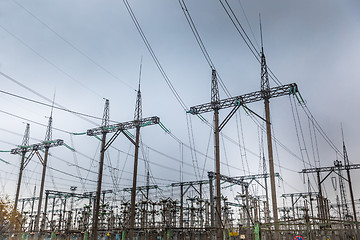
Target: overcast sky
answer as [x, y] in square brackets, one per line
[86, 51]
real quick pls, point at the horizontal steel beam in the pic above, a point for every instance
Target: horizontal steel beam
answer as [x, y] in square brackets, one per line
[245, 99]
[123, 126]
[228, 179]
[191, 183]
[37, 146]
[140, 188]
[329, 169]
[256, 176]
[300, 194]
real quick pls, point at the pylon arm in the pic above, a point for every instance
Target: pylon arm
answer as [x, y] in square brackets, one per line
[228, 179]
[93, 194]
[300, 194]
[38, 146]
[246, 98]
[141, 188]
[64, 194]
[255, 176]
[328, 169]
[189, 183]
[124, 126]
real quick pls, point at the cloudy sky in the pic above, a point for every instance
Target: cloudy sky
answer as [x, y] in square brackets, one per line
[85, 51]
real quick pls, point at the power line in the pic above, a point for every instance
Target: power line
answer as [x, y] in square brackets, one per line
[48, 61]
[41, 96]
[153, 55]
[72, 45]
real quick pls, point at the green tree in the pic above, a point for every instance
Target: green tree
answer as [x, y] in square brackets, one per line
[10, 219]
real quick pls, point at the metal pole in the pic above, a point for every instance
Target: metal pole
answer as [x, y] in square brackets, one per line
[321, 201]
[247, 207]
[271, 166]
[352, 195]
[19, 180]
[98, 190]
[181, 206]
[52, 214]
[267, 200]
[212, 202]
[218, 187]
[293, 205]
[43, 221]
[41, 190]
[201, 207]
[133, 190]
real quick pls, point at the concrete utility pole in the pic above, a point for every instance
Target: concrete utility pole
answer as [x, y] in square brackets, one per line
[34, 149]
[118, 129]
[236, 102]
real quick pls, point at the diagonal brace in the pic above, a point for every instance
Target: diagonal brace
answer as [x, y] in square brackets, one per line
[341, 176]
[112, 139]
[128, 137]
[256, 114]
[28, 159]
[40, 157]
[332, 170]
[229, 116]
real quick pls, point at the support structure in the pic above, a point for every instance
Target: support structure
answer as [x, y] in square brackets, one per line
[34, 149]
[236, 102]
[137, 117]
[24, 145]
[347, 167]
[118, 129]
[329, 170]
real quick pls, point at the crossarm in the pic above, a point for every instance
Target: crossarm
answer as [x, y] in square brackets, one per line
[245, 98]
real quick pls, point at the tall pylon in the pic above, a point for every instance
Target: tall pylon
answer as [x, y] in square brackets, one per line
[265, 90]
[347, 167]
[137, 118]
[25, 143]
[215, 99]
[104, 126]
[47, 142]
[34, 149]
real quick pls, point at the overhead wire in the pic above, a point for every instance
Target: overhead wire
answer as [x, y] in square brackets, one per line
[250, 45]
[247, 21]
[48, 61]
[59, 107]
[240, 29]
[153, 55]
[192, 145]
[72, 45]
[205, 52]
[201, 44]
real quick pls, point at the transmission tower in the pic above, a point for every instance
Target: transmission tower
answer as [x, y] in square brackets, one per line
[25, 143]
[117, 129]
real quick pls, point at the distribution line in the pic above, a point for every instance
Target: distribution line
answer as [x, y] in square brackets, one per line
[252, 48]
[49, 105]
[48, 61]
[201, 43]
[153, 55]
[72, 45]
